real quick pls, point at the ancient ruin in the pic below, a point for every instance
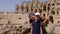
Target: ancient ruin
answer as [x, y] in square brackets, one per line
[17, 22]
[50, 7]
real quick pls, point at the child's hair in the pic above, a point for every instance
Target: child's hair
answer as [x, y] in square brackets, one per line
[38, 17]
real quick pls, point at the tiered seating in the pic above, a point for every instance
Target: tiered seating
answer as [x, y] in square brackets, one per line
[13, 22]
[14, 18]
[9, 16]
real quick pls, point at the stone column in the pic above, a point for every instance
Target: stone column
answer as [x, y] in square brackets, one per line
[50, 8]
[21, 8]
[17, 8]
[29, 6]
[55, 8]
[25, 7]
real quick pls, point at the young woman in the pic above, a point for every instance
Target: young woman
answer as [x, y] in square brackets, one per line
[31, 17]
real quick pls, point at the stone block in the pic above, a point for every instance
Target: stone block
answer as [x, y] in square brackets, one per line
[3, 21]
[17, 22]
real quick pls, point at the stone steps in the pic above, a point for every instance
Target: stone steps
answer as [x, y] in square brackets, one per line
[12, 21]
[13, 18]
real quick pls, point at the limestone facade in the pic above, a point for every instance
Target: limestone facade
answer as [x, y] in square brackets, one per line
[10, 22]
[50, 7]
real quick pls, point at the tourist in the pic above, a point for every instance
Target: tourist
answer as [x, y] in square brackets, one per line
[31, 17]
[45, 24]
[37, 24]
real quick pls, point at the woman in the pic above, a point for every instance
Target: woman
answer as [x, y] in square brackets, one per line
[31, 17]
[45, 24]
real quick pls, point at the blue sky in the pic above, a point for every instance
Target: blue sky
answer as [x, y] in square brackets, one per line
[9, 5]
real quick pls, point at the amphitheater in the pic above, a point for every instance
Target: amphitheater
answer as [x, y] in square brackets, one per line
[13, 22]
[17, 22]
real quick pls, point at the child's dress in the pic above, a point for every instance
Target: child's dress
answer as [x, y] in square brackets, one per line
[36, 27]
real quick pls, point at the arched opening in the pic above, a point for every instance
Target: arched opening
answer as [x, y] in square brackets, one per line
[57, 12]
[51, 19]
[44, 15]
[53, 4]
[52, 12]
[49, 4]
[40, 10]
[35, 10]
[58, 21]
[48, 8]
[44, 7]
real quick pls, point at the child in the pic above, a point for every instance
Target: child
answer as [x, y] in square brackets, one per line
[35, 28]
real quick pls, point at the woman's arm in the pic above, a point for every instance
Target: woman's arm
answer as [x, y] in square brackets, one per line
[31, 29]
[45, 19]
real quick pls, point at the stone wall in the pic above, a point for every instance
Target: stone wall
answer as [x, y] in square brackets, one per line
[13, 23]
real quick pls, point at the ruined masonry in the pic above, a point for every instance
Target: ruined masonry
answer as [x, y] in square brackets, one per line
[17, 22]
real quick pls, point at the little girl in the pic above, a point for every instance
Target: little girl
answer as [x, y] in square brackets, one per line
[35, 25]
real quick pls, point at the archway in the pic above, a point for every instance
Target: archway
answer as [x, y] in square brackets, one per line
[51, 19]
[52, 12]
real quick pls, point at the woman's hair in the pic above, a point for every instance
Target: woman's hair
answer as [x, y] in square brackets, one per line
[31, 14]
[30, 21]
[30, 18]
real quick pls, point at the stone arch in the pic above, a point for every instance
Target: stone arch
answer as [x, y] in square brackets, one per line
[51, 19]
[58, 21]
[52, 12]
[44, 7]
[44, 14]
[35, 10]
